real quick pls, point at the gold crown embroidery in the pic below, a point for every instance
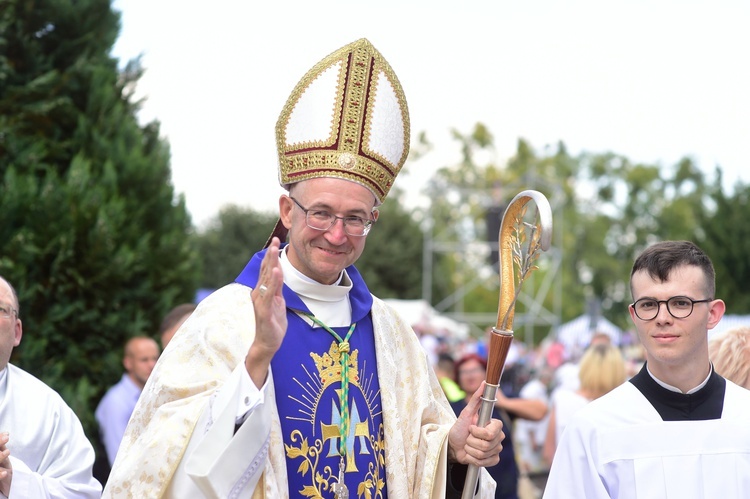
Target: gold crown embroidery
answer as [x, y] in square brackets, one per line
[329, 365]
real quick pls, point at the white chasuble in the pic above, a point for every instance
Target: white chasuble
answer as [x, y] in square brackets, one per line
[212, 343]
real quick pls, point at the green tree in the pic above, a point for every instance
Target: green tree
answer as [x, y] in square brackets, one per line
[555, 284]
[468, 202]
[91, 233]
[461, 195]
[606, 209]
[633, 206]
[725, 235]
[391, 263]
[230, 239]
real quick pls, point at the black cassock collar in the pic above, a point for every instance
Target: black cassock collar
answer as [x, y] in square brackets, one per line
[706, 403]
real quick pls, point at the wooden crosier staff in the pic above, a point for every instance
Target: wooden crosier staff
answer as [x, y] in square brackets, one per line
[513, 254]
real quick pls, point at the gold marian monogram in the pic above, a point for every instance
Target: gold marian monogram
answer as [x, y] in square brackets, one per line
[324, 479]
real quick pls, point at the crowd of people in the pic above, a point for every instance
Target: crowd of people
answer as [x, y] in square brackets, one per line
[562, 391]
[540, 390]
[294, 380]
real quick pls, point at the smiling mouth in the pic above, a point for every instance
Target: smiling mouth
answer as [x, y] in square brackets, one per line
[331, 251]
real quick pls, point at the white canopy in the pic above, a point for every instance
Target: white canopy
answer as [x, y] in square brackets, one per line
[577, 334]
[420, 314]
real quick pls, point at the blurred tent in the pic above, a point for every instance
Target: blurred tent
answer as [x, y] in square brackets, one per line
[421, 316]
[576, 334]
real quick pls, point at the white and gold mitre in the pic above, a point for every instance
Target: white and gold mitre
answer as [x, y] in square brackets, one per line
[346, 118]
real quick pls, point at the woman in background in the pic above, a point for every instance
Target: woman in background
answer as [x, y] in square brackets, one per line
[602, 368]
[470, 373]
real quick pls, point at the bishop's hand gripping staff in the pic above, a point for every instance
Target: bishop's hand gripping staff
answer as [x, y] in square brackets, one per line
[518, 251]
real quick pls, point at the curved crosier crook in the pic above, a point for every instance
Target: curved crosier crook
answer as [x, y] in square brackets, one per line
[541, 237]
[512, 255]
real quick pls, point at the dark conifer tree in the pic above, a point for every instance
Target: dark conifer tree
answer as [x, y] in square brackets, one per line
[91, 232]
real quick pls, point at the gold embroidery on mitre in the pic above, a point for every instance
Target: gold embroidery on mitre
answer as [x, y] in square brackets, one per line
[367, 131]
[347, 161]
[329, 365]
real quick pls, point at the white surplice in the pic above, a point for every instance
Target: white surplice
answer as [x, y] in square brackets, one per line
[49, 452]
[618, 446]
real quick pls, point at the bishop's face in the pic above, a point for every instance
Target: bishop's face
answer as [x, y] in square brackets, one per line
[676, 349]
[322, 254]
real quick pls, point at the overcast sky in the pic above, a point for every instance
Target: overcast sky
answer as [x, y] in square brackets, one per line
[651, 80]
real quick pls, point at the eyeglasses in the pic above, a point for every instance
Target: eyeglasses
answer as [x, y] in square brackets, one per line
[679, 307]
[322, 220]
[7, 312]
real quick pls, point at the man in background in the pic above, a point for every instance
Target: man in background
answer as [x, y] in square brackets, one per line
[43, 449]
[115, 408]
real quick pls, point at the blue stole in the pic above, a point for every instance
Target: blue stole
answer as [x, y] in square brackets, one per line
[307, 380]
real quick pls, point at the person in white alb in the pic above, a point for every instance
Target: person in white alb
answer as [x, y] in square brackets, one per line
[43, 449]
[295, 381]
[675, 430]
